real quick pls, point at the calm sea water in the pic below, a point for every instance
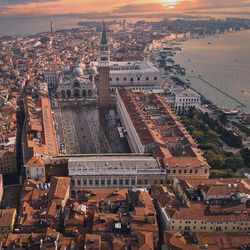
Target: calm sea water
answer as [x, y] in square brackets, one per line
[32, 26]
[224, 62]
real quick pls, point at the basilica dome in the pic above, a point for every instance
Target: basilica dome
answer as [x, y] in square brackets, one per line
[92, 70]
[80, 65]
[78, 71]
[66, 69]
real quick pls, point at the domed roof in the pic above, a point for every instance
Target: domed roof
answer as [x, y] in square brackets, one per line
[92, 70]
[80, 65]
[78, 71]
[66, 69]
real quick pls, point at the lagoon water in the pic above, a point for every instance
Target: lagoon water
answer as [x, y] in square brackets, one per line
[224, 62]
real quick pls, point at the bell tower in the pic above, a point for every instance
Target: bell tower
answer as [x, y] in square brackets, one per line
[103, 70]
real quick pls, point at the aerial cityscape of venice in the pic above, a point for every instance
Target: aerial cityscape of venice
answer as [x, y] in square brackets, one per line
[125, 124]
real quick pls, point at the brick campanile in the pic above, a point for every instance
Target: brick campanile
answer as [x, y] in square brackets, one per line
[103, 86]
[103, 70]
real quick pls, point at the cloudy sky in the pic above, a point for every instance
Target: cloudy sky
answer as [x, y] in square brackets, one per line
[51, 7]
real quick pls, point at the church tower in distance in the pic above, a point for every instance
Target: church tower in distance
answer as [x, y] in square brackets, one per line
[103, 70]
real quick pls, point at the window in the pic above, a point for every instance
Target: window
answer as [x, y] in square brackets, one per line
[155, 181]
[194, 227]
[96, 182]
[196, 171]
[147, 78]
[145, 181]
[90, 182]
[117, 79]
[103, 182]
[185, 171]
[72, 182]
[155, 78]
[121, 182]
[139, 182]
[133, 182]
[114, 182]
[127, 182]
[131, 79]
[191, 171]
[125, 79]
[205, 171]
[110, 79]
[161, 181]
[84, 182]
[179, 171]
[174, 171]
[109, 182]
[79, 182]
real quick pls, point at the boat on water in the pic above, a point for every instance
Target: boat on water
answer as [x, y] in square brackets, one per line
[230, 112]
[246, 120]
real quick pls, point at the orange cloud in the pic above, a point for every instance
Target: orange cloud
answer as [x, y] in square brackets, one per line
[52, 7]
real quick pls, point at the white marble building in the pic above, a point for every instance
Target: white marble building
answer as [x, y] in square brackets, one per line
[138, 75]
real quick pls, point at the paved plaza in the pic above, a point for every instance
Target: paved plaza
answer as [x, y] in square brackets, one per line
[87, 130]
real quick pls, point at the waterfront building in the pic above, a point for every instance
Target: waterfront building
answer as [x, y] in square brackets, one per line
[184, 99]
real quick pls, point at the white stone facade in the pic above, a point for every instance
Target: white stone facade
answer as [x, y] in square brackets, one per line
[133, 138]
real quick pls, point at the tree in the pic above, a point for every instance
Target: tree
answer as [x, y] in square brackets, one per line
[198, 135]
[216, 161]
[212, 136]
[223, 119]
[234, 162]
[227, 173]
[245, 153]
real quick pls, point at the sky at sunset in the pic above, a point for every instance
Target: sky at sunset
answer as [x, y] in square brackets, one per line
[122, 7]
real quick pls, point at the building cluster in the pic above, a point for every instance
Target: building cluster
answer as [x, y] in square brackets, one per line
[98, 219]
[158, 195]
[151, 126]
[205, 214]
[38, 137]
[198, 209]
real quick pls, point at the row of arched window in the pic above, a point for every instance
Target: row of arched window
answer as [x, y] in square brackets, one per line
[131, 79]
[76, 93]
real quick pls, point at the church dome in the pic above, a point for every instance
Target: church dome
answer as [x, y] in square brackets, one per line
[92, 70]
[66, 69]
[78, 71]
[81, 65]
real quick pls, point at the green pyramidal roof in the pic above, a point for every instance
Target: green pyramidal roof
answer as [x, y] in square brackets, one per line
[104, 39]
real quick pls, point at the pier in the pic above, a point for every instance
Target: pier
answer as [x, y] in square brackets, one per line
[221, 91]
